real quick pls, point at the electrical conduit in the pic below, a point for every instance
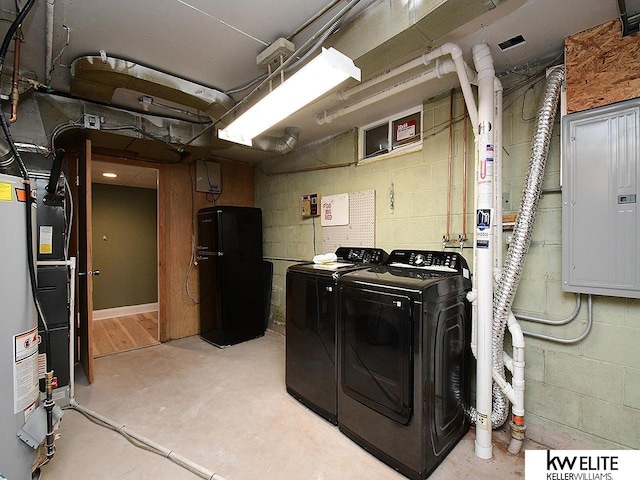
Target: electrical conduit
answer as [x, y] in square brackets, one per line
[147, 444]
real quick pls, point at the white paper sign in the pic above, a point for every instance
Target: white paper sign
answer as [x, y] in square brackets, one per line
[335, 210]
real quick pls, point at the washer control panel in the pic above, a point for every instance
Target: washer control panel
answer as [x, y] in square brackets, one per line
[428, 260]
[375, 256]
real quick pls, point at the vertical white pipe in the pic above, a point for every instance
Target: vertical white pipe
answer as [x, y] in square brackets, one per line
[484, 247]
[517, 370]
[456, 55]
[497, 161]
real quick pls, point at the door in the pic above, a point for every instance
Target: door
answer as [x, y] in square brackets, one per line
[311, 340]
[85, 267]
[376, 346]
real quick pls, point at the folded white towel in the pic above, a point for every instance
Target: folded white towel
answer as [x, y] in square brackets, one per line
[325, 258]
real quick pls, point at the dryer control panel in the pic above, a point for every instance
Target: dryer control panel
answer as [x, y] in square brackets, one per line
[375, 256]
[451, 262]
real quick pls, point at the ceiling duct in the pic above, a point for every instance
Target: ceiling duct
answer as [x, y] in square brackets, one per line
[98, 77]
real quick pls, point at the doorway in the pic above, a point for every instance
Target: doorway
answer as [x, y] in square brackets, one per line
[125, 252]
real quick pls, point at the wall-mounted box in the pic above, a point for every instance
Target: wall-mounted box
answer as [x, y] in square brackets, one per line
[310, 205]
[600, 215]
[208, 177]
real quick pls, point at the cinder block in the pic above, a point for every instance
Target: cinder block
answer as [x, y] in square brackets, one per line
[592, 378]
[611, 421]
[610, 310]
[631, 395]
[613, 343]
[552, 403]
[534, 364]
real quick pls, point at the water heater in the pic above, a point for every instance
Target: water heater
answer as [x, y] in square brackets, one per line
[18, 334]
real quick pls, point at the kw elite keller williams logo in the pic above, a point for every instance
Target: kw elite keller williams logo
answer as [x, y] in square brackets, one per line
[581, 464]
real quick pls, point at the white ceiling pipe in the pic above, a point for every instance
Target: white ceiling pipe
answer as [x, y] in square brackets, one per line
[441, 68]
[346, 94]
[456, 55]
[484, 250]
[466, 75]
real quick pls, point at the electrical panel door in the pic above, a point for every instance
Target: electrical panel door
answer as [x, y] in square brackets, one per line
[600, 224]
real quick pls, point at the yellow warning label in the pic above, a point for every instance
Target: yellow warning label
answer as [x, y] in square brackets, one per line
[46, 239]
[5, 192]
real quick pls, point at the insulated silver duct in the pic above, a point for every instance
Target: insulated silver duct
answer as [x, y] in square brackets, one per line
[510, 276]
[281, 145]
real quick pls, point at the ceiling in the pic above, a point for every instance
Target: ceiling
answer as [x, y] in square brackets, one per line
[213, 47]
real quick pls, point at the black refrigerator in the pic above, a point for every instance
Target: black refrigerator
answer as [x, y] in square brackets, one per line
[233, 296]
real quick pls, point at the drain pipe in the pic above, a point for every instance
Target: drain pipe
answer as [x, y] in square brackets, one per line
[442, 67]
[516, 366]
[497, 191]
[483, 248]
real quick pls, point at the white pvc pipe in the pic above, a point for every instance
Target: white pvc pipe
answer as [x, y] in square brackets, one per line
[346, 94]
[456, 55]
[497, 189]
[484, 247]
[517, 365]
[423, 77]
[464, 72]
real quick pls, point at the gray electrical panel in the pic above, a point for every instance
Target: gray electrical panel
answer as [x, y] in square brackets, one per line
[600, 215]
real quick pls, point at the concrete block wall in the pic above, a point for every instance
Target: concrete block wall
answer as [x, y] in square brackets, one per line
[583, 395]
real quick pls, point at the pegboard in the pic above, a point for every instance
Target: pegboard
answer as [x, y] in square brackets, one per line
[360, 232]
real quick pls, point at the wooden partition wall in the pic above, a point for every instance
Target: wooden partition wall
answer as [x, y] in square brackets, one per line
[178, 203]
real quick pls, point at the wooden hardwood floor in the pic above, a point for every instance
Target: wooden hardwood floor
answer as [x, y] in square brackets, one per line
[118, 334]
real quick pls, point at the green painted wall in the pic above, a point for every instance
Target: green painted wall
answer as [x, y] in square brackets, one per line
[586, 394]
[124, 246]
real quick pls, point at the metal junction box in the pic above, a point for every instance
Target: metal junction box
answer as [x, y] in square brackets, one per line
[600, 215]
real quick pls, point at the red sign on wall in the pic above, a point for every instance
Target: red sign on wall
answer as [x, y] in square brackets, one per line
[405, 130]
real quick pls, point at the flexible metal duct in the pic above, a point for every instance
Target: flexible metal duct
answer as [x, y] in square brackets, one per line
[511, 273]
[281, 145]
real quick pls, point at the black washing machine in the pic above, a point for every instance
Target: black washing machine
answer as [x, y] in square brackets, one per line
[405, 358]
[311, 316]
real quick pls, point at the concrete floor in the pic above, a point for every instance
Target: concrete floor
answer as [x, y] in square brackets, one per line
[228, 411]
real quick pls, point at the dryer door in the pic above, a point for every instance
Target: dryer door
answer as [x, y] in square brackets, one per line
[377, 368]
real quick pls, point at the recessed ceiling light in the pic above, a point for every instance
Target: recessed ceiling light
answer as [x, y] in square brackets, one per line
[109, 175]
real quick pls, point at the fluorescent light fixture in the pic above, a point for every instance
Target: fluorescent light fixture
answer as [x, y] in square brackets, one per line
[110, 175]
[320, 75]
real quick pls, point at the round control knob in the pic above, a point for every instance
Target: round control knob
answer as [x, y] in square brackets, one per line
[419, 260]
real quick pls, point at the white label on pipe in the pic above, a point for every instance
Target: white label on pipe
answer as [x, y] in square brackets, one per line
[482, 422]
[483, 227]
